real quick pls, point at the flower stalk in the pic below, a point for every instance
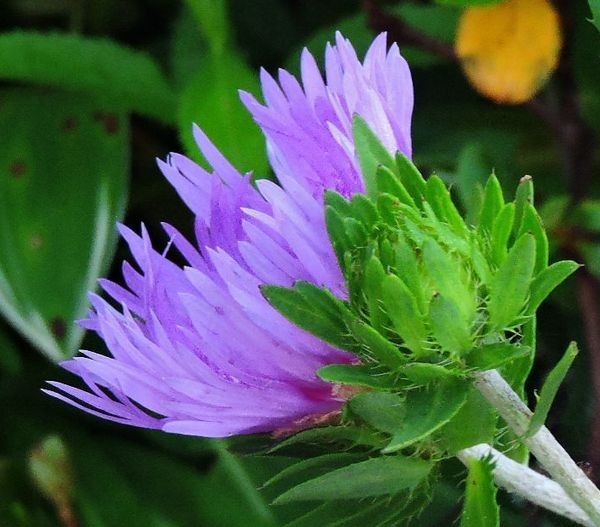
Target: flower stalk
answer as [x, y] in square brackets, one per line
[527, 483]
[543, 445]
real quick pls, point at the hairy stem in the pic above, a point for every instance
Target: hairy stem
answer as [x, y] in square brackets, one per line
[527, 483]
[547, 450]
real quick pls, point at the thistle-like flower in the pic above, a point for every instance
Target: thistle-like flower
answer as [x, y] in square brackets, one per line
[198, 350]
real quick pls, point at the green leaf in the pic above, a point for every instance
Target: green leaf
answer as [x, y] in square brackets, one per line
[211, 16]
[523, 198]
[545, 282]
[595, 9]
[448, 278]
[316, 310]
[449, 328]
[383, 411]
[381, 476]
[401, 307]
[423, 373]
[480, 508]
[388, 182]
[532, 223]
[438, 197]
[111, 74]
[373, 283]
[550, 389]
[491, 356]
[511, 284]
[356, 374]
[427, 410]
[370, 152]
[470, 170]
[493, 201]
[410, 177]
[473, 424]
[66, 165]
[211, 100]
[500, 233]
[407, 264]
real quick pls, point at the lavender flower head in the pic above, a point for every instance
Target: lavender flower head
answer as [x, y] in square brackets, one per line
[198, 350]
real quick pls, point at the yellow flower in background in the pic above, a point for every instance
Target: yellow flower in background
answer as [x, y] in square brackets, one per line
[509, 50]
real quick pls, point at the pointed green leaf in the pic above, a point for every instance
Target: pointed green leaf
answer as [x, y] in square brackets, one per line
[493, 201]
[313, 309]
[372, 344]
[402, 309]
[480, 508]
[448, 278]
[438, 196]
[380, 476]
[364, 210]
[410, 177]
[427, 410]
[408, 266]
[500, 233]
[388, 182]
[532, 223]
[370, 152]
[523, 197]
[511, 284]
[449, 327]
[372, 289]
[65, 165]
[356, 374]
[550, 389]
[426, 372]
[545, 282]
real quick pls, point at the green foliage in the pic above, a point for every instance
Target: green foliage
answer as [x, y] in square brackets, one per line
[374, 477]
[113, 75]
[595, 9]
[550, 389]
[480, 508]
[467, 3]
[52, 224]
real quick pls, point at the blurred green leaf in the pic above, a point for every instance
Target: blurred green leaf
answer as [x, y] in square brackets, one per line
[595, 9]
[66, 163]
[480, 508]
[550, 389]
[211, 100]
[379, 476]
[211, 15]
[110, 73]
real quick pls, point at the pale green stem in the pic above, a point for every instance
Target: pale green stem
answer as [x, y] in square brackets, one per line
[527, 483]
[546, 449]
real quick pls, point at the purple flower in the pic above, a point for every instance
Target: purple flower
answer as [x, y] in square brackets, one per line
[198, 350]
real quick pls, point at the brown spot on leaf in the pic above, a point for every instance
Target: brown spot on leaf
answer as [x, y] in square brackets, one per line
[109, 120]
[70, 123]
[18, 168]
[58, 327]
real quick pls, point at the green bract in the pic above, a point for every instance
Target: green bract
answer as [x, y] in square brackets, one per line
[432, 300]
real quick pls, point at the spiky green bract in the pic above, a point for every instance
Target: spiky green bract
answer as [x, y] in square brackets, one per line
[430, 300]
